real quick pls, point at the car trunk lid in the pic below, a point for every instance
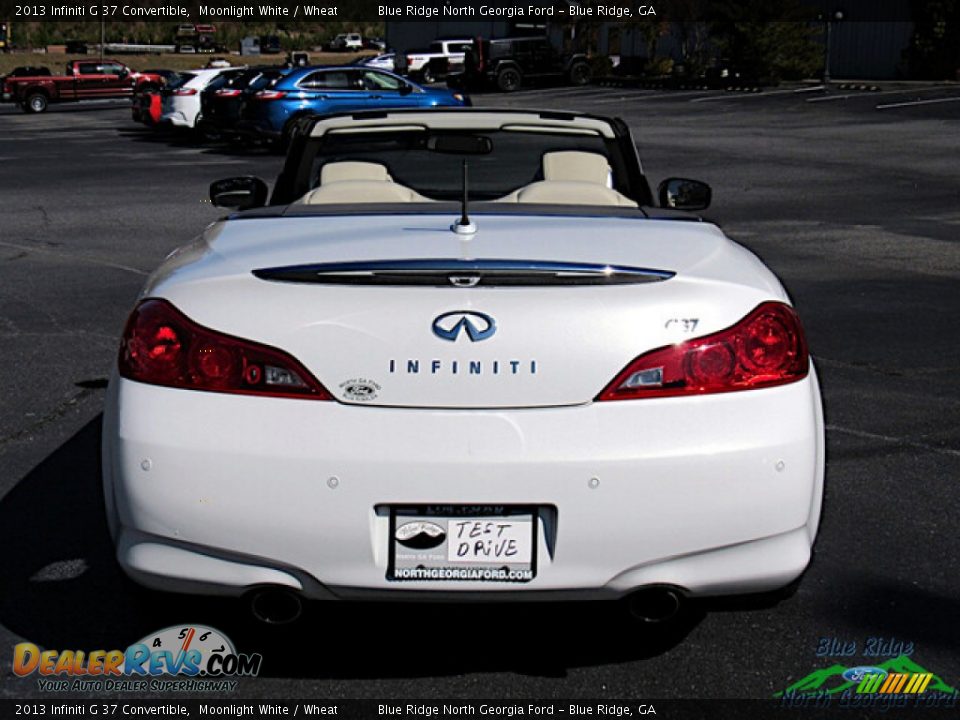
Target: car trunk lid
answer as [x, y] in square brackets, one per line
[529, 312]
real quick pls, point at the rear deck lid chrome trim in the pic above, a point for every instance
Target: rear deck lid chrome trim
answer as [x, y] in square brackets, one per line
[454, 272]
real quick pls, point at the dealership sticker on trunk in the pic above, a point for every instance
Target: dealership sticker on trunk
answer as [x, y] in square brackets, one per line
[360, 390]
[463, 542]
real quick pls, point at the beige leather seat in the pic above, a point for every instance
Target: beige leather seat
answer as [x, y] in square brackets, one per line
[351, 181]
[576, 166]
[572, 177]
[347, 170]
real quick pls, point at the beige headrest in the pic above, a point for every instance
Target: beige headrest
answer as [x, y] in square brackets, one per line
[576, 166]
[569, 192]
[353, 170]
[361, 191]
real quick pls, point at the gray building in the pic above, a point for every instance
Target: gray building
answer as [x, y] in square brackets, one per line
[870, 42]
[402, 36]
[858, 49]
[869, 50]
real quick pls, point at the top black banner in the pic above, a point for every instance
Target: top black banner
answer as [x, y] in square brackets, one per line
[512, 12]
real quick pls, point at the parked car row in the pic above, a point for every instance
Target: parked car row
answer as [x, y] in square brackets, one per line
[352, 42]
[505, 64]
[220, 106]
[33, 88]
[443, 57]
[181, 106]
[510, 63]
[147, 106]
[383, 61]
[263, 103]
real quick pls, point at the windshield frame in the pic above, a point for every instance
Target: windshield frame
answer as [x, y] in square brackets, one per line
[515, 159]
[295, 179]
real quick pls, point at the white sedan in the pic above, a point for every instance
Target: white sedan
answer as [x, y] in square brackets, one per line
[181, 101]
[384, 61]
[463, 355]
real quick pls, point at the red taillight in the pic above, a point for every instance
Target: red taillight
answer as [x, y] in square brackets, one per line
[766, 348]
[162, 346]
[226, 92]
[185, 91]
[269, 95]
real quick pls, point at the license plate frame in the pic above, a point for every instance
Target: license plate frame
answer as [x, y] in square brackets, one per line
[402, 563]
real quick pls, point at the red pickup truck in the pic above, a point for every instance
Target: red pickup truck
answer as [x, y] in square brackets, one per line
[84, 80]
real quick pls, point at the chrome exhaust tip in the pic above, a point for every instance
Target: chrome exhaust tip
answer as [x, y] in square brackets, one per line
[654, 605]
[276, 606]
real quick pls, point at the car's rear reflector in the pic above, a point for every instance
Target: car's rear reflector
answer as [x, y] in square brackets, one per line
[766, 348]
[162, 346]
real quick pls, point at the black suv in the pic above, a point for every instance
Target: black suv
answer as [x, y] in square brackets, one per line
[508, 63]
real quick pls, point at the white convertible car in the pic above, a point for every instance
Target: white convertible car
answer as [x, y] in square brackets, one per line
[461, 354]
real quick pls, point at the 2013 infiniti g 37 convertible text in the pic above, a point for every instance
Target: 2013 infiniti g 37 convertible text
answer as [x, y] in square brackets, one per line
[461, 354]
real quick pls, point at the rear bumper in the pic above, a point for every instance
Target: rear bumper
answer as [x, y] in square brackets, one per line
[216, 494]
[256, 129]
[223, 123]
[753, 567]
[176, 118]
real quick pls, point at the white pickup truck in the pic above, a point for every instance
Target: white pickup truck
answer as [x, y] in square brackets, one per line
[445, 55]
[347, 41]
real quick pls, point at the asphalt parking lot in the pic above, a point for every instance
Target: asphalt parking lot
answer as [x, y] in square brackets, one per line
[852, 197]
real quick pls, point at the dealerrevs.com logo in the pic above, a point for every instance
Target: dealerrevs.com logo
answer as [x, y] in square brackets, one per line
[179, 658]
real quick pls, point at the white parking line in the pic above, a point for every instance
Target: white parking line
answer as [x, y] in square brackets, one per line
[72, 137]
[647, 95]
[917, 102]
[563, 92]
[198, 161]
[830, 98]
[624, 98]
[642, 96]
[72, 256]
[668, 95]
[741, 96]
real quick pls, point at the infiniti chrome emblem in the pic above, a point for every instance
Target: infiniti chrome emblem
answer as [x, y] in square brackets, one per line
[478, 326]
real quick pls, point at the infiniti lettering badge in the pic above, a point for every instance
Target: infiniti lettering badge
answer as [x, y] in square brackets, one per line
[476, 325]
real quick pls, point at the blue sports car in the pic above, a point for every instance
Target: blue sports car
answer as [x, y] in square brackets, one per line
[270, 112]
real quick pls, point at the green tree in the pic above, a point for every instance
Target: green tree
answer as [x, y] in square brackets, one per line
[935, 45]
[772, 41]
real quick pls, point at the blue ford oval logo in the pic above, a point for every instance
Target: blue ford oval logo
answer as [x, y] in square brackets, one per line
[855, 674]
[478, 326]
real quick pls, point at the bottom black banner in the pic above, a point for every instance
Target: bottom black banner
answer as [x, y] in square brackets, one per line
[800, 708]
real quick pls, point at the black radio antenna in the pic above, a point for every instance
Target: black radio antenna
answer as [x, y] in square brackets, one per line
[464, 226]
